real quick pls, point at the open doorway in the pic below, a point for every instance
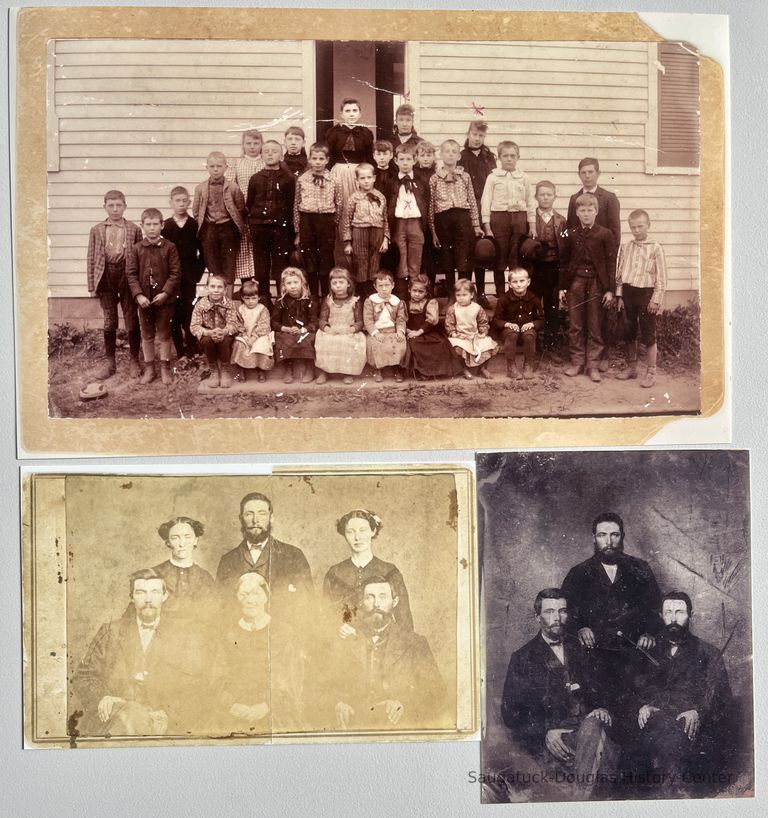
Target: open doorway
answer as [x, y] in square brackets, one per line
[372, 72]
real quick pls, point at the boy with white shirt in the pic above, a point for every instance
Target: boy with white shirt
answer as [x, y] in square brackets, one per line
[508, 210]
[181, 230]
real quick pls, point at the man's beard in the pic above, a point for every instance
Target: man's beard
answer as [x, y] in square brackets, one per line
[373, 621]
[256, 535]
[609, 555]
[148, 613]
[556, 631]
[675, 632]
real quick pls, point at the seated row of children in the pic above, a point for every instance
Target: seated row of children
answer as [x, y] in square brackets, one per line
[341, 333]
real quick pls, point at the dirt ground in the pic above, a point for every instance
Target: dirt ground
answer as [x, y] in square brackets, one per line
[550, 393]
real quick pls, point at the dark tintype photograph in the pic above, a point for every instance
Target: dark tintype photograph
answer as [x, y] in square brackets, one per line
[251, 608]
[618, 642]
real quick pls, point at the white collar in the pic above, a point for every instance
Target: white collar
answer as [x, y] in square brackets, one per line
[255, 626]
[377, 299]
[179, 565]
[515, 174]
[357, 560]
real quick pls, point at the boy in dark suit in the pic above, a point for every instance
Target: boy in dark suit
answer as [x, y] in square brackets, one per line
[182, 231]
[587, 283]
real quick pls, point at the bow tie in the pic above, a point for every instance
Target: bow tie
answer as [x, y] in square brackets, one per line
[318, 180]
[216, 181]
[151, 627]
[372, 198]
[449, 176]
[407, 181]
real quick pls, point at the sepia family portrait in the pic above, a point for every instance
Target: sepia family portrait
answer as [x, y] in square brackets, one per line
[276, 607]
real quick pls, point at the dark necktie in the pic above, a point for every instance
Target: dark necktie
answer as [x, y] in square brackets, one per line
[318, 180]
[372, 198]
[407, 182]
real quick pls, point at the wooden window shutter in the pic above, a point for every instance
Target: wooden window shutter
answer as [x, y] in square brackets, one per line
[679, 126]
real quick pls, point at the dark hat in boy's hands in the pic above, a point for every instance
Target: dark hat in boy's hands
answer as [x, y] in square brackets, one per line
[485, 251]
[531, 249]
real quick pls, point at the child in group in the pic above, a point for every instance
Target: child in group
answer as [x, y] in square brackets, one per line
[453, 216]
[641, 280]
[587, 281]
[466, 323]
[181, 229]
[365, 228]
[295, 157]
[408, 213]
[508, 210]
[317, 210]
[608, 216]
[153, 273]
[340, 342]
[384, 167]
[423, 171]
[429, 354]
[270, 202]
[294, 321]
[404, 133]
[550, 227]
[349, 144]
[240, 173]
[108, 245]
[384, 317]
[252, 347]
[219, 210]
[518, 317]
[478, 161]
[215, 324]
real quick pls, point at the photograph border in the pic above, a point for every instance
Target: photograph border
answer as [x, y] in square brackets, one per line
[39, 434]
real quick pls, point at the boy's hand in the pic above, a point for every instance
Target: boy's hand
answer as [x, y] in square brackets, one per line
[400, 336]
[142, 301]
[562, 299]
[526, 327]
[532, 231]
[379, 337]
[347, 248]
[435, 241]
[513, 327]
[488, 231]
[384, 246]
[607, 298]
[160, 298]
[653, 308]
[479, 233]
[620, 303]
[296, 242]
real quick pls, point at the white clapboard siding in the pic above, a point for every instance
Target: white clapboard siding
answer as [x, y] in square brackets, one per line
[141, 115]
[561, 102]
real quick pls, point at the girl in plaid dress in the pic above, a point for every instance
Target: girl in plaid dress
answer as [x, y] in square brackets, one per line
[240, 173]
[294, 321]
[340, 343]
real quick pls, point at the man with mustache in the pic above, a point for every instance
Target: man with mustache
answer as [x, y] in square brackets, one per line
[284, 566]
[551, 701]
[613, 603]
[144, 673]
[383, 677]
[685, 697]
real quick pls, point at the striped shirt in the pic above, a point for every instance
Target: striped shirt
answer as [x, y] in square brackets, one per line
[360, 211]
[450, 189]
[324, 197]
[642, 264]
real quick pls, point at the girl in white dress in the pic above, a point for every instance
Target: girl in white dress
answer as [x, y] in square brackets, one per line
[467, 325]
[253, 344]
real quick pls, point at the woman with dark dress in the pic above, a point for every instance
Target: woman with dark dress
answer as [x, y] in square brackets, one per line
[258, 670]
[349, 144]
[190, 588]
[344, 582]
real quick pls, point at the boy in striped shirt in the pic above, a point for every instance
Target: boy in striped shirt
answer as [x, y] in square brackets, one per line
[641, 279]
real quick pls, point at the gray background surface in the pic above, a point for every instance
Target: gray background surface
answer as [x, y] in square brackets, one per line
[392, 779]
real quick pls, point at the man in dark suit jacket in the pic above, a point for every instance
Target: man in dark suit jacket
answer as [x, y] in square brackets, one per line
[552, 702]
[614, 602]
[284, 566]
[384, 677]
[144, 674]
[609, 212]
[684, 700]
